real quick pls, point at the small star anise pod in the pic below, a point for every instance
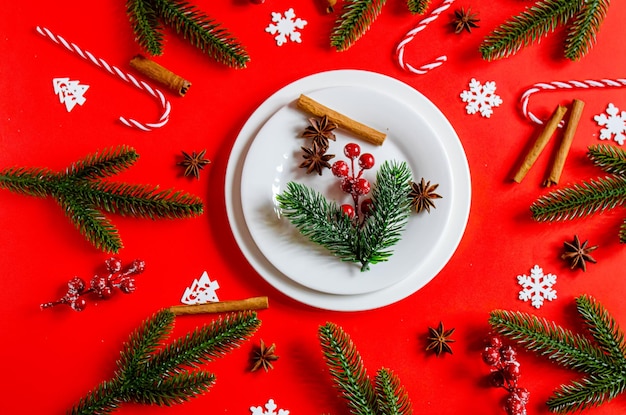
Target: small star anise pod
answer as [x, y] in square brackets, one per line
[422, 195]
[439, 340]
[194, 163]
[263, 356]
[315, 159]
[320, 131]
[578, 254]
[465, 20]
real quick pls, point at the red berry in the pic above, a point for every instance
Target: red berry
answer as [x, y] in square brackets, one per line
[136, 267]
[361, 186]
[340, 168]
[496, 379]
[76, 285]
[113, 265]
[491, 356]
[352, 150]
[508, 353]
[514, 406]
[511, 371]
[348, 210]
[78, 304]
[367, 206]
[522, 394]
[494, 341]
[366, 161]
[127, 285]
[346, 185]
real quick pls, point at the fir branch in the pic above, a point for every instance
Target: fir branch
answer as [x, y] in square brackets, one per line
[82, 194]
[587, 393]
[202, 32]
[528, 27]
[418, 6]
[611, 159]
[622, 232]
[348, 370]
[583, 30]
[356, 19]
[104, 399]
[391, 396]
[146, 27]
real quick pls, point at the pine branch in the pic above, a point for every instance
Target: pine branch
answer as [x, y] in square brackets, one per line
[347, 369]
[528, 27]
[611, 159]
[104, 399]
[202, 32]
[174, 389]
[146, 27]
[418, 6]
[82, 194]
[356, 19]
[622, 232]
[582, 32]
[391, 396]
[587, 393]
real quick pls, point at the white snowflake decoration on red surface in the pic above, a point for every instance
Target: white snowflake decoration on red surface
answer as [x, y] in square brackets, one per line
[70, 93]
[201, 291]
[614, 123]
[481, 98]
[270, 409]
[537, 287]
[286, 26]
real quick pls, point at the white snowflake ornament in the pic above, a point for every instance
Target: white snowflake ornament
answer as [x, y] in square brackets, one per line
[615, 124]
[201, 291]
[481, 98]
[286, 26]
[70, 93]
[270, 409]
[537, 287]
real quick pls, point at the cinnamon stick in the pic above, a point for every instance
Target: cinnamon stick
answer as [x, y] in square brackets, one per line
[254, 303]
[361, 130]
[540, 143]
[160, 74]
[566, 143]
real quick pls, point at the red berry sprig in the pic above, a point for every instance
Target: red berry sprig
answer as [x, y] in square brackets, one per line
[101, 286]
[352, 181]
[505, 373]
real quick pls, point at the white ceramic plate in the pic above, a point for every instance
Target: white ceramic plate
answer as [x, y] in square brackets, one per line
[273, 160]
[457, 201]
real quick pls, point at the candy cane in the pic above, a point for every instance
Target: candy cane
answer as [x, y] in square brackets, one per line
[555, 85]
[408, 38]
[113, 70]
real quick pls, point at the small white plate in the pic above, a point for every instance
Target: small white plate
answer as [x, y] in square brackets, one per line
[443, 246]
[273, 160]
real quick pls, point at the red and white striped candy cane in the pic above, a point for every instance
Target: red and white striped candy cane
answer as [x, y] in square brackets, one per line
[408, 38]
[556, 85]
[113, 70]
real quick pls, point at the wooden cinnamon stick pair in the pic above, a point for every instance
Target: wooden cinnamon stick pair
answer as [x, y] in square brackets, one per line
[561, 155]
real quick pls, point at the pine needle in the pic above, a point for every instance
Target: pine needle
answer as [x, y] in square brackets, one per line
[391, 396]
[418, 6]
[355, 20]
[611, 159]
[584, 27]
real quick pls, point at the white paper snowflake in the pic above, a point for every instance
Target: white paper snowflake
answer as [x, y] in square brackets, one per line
[201, 291]
[537, 287]
[615, 124]
[270, 409]
[286, 26]
[70, 92]
[481, 98]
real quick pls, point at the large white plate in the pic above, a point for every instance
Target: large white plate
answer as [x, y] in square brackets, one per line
[444, 245]
[273, 160]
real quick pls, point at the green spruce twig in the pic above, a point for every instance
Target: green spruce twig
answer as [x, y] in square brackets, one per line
[418, 6]
[602, 360]
[385, 397]
[324, 223]
[590, 196]
[189, 22]
[584, 27]
[356, 19]
[152, 373]
[82, 194]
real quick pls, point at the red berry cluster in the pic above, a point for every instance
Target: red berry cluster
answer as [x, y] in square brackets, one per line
[505, 372]
[101, 286]
[352, 181]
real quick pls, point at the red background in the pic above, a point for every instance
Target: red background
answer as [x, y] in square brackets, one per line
[54, 357]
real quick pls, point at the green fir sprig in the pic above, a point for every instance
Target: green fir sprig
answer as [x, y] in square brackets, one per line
[151, 372]
[384, 396]
[601, 359]
[83, 194]
[188, 21]
[590, 196]
[418, 6]
[356, 18]
[583, 19]
[324, 223]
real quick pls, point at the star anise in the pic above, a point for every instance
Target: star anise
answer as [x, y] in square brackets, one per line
[578, 254]
[320, 131]
[194, 163]
[439, 340]
[315, 159]
[465, 20]
[263, 356]
[422, 195]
